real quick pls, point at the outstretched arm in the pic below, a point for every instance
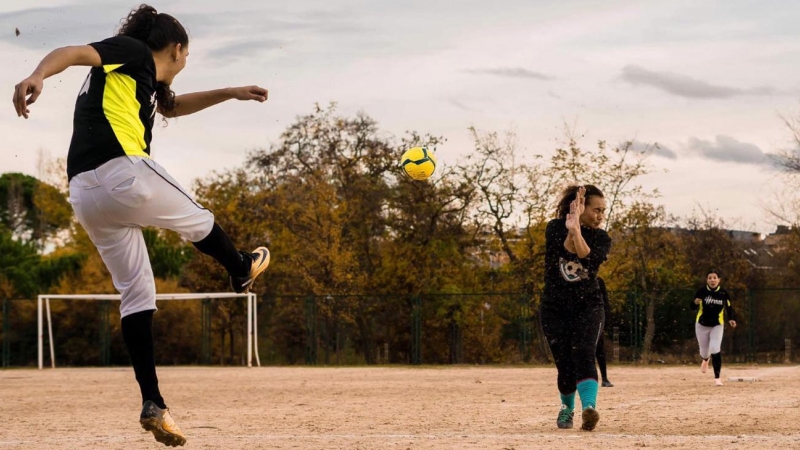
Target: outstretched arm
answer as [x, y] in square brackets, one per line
[55, 62]
[186, 104]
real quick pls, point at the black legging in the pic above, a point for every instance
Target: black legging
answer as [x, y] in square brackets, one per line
[572, 332]
[601, 357]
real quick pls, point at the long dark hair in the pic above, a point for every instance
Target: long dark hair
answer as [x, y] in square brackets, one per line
[569, 195]
[157, 31]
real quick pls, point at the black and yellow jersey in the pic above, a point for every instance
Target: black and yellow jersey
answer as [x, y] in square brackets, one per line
[714, 303]
[116, 106]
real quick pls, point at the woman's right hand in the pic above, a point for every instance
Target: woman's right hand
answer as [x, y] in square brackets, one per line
[697, 301]
[580, 201]
[32, 86]
[576, 208]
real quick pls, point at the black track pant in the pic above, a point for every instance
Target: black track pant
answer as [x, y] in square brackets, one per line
[601, 357]
[572, 331]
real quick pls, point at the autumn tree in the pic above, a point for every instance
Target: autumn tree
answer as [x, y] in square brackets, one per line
[648, 260]
[708, 245]
[31, 210]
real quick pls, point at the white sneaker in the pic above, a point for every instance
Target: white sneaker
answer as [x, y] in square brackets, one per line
[717, 382]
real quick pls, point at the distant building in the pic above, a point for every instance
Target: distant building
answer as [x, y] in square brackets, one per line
[778, 240]
[763, 252]
[745, 236]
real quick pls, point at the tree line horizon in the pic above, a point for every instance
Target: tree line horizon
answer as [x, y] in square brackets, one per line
[340, 218]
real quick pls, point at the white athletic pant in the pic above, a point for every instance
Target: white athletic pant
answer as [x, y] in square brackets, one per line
[709, 338]
[114, 202]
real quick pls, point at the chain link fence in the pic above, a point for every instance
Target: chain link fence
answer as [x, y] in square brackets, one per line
[476, 328]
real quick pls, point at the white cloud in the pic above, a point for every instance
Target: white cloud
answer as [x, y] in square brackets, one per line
[685, 86]
[655, 149]
[727, 149]
[533, 66]
[244, 49]
[512, 72]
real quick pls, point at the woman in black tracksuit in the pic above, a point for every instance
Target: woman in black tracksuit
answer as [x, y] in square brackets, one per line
[711, 303]
[572, 307]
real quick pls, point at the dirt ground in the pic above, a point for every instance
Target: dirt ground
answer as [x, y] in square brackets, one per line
[401, 408]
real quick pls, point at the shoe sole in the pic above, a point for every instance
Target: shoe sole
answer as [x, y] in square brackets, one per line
[255, 271]
[165, 437]
[564, 426]
[590, 417]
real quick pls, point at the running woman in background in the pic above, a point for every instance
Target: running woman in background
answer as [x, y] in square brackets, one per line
[712, 301]
[572, 306]
[600, 354]
[116, 188]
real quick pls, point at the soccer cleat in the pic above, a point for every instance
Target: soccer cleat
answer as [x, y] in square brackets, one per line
[565, 417]
[607, 383]
[704, 366]
[160, 423]
[260, 257]
[717, 382]
[590, 417]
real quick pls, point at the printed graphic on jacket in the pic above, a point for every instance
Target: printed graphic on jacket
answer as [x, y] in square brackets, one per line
[572, 271]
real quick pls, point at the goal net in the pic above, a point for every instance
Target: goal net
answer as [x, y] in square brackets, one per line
[44, 314]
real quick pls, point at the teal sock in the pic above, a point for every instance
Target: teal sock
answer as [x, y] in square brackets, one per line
[587, 389]
[568, 400]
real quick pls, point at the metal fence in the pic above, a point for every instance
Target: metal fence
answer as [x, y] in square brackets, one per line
[393, 329]
[766, 331]
[478, 328]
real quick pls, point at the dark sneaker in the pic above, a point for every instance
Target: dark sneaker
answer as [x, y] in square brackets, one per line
[607, 383]
[260, 257]
[565, 417]
[160, 422]
[590, 417]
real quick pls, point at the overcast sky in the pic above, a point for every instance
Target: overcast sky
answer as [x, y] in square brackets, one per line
[707, 81]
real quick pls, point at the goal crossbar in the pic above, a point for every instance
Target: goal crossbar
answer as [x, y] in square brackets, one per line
[43, 305]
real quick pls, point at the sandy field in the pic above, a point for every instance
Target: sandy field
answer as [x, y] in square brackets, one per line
[401, 408]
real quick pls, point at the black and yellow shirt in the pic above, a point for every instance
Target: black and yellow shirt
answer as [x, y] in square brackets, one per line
[715, 302]
[116, 106]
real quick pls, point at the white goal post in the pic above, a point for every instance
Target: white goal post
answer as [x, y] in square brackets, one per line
[252, 317]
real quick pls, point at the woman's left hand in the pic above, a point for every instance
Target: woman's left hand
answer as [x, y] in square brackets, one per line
[573, 219]
[732, 323]
[250, 93]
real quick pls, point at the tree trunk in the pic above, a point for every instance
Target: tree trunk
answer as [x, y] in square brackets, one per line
[232, 343]
[650, 329]
[366, 340]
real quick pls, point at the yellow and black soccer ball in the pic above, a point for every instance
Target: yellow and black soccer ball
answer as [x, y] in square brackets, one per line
[418, 163]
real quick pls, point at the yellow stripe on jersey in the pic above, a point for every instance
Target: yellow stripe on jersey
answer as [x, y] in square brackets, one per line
[721, 320]
[699, 312]
[122, 111]
[108, 68]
